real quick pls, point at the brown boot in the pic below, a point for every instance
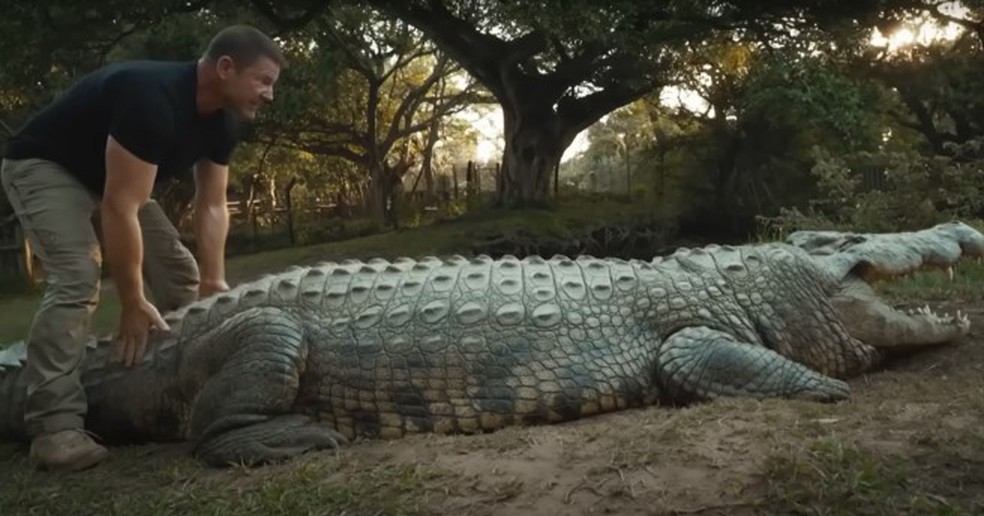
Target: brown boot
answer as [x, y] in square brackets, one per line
[67, 450]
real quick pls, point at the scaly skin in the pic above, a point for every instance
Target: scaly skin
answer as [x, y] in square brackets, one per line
[314, 357]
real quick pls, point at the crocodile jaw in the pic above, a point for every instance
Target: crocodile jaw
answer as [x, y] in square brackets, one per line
[856, 261]
[873, 322]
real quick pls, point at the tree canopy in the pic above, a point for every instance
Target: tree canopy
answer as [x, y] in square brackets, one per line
[370, 108]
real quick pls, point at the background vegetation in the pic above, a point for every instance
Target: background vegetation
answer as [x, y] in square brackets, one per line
[723, 120]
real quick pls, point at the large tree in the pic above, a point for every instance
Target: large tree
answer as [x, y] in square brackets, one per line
[558, 67]
[392, 86]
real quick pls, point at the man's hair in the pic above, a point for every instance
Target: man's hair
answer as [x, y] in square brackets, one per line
[244, 44]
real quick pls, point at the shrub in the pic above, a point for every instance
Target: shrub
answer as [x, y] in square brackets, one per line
[912, 192]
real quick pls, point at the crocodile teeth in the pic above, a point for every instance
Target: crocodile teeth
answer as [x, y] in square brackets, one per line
[949, 273]
[962, 320]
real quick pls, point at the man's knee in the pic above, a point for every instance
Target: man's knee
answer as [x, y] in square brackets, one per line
[174, 278]
[185, 279]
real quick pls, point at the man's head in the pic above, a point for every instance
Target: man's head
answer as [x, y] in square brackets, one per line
[246, 64]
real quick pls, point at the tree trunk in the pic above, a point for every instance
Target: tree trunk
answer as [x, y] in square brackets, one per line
[534, 144]
[726, 194]
[250, 208]
[289, 206]
[377, 192]
[433, 135]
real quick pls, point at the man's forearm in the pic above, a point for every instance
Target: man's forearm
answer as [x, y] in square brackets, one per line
[211, 231]
[123, 242]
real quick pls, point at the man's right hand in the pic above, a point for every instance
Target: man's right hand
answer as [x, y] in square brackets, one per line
[136, 321]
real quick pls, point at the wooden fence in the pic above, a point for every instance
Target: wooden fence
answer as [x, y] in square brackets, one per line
[16, 261]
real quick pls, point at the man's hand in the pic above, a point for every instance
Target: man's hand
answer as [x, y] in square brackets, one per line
[129, 181]
[136, 321]
[207, 287]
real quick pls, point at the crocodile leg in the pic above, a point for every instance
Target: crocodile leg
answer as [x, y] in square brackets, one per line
[702, 363]
[242, 415]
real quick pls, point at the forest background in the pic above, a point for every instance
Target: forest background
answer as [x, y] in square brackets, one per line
[704, 119]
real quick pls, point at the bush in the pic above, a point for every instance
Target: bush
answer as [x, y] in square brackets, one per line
[912, 192]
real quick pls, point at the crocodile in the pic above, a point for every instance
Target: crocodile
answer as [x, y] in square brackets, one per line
[320, 356]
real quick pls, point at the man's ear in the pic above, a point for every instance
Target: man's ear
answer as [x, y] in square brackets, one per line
[225, 66]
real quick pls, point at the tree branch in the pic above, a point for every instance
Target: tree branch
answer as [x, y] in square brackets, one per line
[975, 26]
[411, 101]
[322, 149]
[313, 9]
[474, 50]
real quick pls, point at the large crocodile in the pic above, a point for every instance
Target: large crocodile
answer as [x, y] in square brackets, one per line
[316, 356]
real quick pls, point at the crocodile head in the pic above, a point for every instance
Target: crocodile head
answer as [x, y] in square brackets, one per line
[856, 261]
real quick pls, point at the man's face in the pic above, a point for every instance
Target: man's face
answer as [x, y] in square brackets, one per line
[246, 89]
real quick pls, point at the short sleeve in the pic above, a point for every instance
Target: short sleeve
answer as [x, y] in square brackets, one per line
[225, 138]
[142, 123]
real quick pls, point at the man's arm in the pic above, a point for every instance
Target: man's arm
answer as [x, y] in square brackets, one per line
[211, 224]
[129, 182]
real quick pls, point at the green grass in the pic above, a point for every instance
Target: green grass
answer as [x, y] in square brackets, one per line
[935, 286]
[833, 476]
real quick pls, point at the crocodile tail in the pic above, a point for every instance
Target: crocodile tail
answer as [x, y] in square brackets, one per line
[12, 392]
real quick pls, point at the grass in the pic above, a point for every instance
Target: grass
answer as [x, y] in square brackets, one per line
[935, 285]
[834, 476]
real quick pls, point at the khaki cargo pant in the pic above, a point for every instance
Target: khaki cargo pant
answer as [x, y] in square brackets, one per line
[56, 213]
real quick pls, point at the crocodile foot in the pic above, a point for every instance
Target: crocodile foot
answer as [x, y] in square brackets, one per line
[271, 440]
[701, 363]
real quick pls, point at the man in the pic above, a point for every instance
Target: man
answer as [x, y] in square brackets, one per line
[103, 145]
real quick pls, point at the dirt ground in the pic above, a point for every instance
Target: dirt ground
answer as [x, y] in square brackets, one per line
[910, 441]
